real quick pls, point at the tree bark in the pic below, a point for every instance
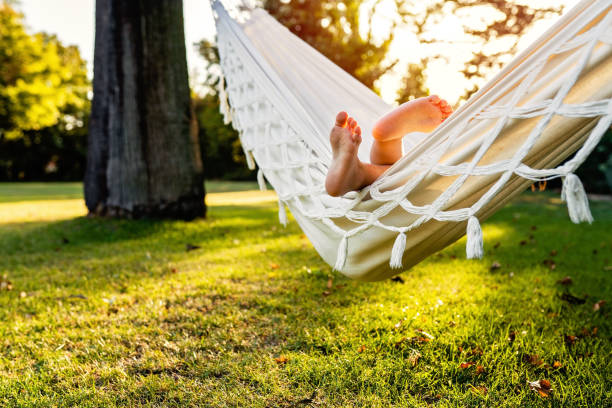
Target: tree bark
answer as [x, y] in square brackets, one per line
[143, 157]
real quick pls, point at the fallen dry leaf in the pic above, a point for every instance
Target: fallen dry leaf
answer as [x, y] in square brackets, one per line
[542, 387]
[6, 284]
[414, 356]
[557, 364]
[281, 360]
[495, 265]
[569, 298]
[551, 265]
[479, 369]
[481, 389]
[569, 339]
[361, 349]
[533, 359]
[191, 247]
[497, 244]
[565, 281]
[511, 336]
[326, 293]
[599, 305]
[553, 252]
[274, 265]
[330, 283]
[466, 364]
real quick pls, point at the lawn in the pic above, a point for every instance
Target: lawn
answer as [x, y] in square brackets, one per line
[237, 311]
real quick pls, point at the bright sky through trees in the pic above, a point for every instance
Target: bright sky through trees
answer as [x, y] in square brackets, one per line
[73, 22]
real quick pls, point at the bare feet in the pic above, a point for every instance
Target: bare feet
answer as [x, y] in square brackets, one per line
[345, 173]
[419, 115]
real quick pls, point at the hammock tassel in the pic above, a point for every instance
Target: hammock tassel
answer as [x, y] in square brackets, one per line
[249, 159]
[282, 213]
[224, 107]
[577, 202]
[341, 258]
[397, 252]
[474, 247]
[261, 180]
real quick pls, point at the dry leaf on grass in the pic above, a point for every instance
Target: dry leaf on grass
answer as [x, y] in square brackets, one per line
[533, 359]
[466, 364]
[542, 387]
[414, 356]
[565, 281]
[599, 305]
[481, 389]
[281, 360]
[361, 349]
[191, 247]
[570, 340]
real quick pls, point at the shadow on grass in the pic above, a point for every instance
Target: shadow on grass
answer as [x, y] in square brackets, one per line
[263, 292]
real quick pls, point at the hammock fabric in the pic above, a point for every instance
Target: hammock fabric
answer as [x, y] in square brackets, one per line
[551, 101]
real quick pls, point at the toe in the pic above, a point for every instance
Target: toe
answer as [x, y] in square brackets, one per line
[352, 123]
[435, 99]
[341, 119]
[357, 135]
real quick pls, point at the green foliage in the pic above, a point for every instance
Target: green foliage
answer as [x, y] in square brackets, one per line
[596, 171]
[222, 153]
[117, 313]
[333, 28]
[43, 103]
[413, 84]
[40, 78]
[503, 22]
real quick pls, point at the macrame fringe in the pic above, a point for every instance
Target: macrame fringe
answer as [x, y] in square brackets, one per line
[282, 213]
[224, 106]
[397, 252]
[577, 202]
[249, 158]
[474, 248]
[341, 258]
[261, 180]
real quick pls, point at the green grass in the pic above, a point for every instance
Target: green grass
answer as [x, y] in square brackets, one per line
[118, 313]
[15, 192]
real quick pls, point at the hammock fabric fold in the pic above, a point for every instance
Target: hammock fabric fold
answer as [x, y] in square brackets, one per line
[551, 101]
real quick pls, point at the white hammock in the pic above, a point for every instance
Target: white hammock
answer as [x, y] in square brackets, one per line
[552, 100]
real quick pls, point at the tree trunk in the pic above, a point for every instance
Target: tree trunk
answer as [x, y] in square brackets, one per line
[143, 155]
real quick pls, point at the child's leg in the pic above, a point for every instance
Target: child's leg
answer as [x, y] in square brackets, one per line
[419, 115]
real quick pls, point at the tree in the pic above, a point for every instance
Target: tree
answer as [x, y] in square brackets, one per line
[43, 104]
[143, 150]
[40, 79]
[333, 28]
[493, 27]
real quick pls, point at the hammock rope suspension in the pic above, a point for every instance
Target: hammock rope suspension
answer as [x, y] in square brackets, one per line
[553, 100]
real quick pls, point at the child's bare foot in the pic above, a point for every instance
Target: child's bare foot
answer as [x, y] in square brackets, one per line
[345, 173]
[419, 115]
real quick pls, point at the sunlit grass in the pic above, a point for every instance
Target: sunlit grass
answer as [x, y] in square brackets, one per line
[119, 313]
